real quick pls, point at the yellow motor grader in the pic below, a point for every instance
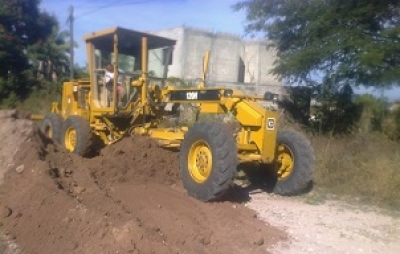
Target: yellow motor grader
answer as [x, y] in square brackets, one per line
[137, 100]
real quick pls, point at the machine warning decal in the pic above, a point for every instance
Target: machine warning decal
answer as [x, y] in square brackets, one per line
[270, 123]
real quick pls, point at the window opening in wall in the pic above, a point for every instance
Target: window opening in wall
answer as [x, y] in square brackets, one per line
[241, 71]
[167, 56]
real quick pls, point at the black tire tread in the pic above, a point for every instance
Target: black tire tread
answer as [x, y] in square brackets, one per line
[53, 121]
[84, 134]
[224, 152]
[304, 159]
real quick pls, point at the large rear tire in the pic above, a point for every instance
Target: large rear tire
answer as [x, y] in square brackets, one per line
[294, 163]
[77, 135]
[51, 126]
[208, 161]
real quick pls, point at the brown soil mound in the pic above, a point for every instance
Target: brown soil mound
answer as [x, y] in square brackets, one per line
[129, 199]
[14, 130]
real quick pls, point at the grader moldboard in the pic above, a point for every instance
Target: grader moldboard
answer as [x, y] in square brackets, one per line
[209, 151]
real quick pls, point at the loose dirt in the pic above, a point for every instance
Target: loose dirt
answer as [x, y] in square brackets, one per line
[129, 199]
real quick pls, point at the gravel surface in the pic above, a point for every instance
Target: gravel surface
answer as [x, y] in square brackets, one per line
[328, 226]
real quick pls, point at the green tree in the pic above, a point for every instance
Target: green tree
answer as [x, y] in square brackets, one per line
[22, 25]
[332, 109]
[81, 71]
[49, 55]
[357, 41]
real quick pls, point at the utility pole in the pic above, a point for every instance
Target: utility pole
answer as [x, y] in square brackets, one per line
[71, 42]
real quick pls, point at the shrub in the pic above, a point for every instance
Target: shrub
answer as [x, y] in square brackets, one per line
[373, 113]
[391, 125]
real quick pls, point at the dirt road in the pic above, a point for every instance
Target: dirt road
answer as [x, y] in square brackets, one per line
[316, 225]
[130, 200]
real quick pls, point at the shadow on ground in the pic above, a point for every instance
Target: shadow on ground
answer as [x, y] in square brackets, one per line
[255, 178]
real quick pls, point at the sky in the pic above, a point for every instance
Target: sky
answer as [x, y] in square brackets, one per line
[144, 15]
[153, 15]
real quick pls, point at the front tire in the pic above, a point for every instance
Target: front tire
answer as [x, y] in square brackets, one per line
[77, 135]
[208, 161]
[51, 126]
[294, 163]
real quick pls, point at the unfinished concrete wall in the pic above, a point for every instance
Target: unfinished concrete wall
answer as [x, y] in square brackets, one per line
[267, 59]
[233, 60]
[259, 60]
[225, 57]
[177, 66]
[197, 43]
[251, 60]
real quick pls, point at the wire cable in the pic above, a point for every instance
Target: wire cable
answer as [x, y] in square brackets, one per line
[113, 4]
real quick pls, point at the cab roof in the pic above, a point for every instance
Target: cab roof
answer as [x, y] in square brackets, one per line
[129, 40]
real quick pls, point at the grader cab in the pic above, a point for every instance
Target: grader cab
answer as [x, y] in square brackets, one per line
[136, 99]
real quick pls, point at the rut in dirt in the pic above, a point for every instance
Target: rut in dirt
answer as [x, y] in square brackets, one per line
[128, 199]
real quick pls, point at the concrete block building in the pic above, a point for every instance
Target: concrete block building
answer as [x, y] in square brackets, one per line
[243, 64]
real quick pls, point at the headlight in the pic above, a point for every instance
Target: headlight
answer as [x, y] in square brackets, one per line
[268, 96]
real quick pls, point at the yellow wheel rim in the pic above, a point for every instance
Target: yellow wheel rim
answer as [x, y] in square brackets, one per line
[285, 162]
[200, 161]
[49, 132]
[70, 139]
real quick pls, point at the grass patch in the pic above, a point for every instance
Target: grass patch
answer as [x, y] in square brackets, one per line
[315, 198]
[38, 102]
[364, 167]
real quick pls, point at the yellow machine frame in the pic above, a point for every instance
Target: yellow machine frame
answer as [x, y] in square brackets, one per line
[256, 139]
[134, 100]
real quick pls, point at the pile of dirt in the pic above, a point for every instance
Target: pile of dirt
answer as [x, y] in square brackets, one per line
[129, 199]
[15, 129]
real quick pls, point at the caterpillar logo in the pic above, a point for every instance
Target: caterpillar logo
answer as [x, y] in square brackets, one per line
[270, 123]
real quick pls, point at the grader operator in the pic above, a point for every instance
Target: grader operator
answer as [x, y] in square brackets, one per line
[209, 151]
